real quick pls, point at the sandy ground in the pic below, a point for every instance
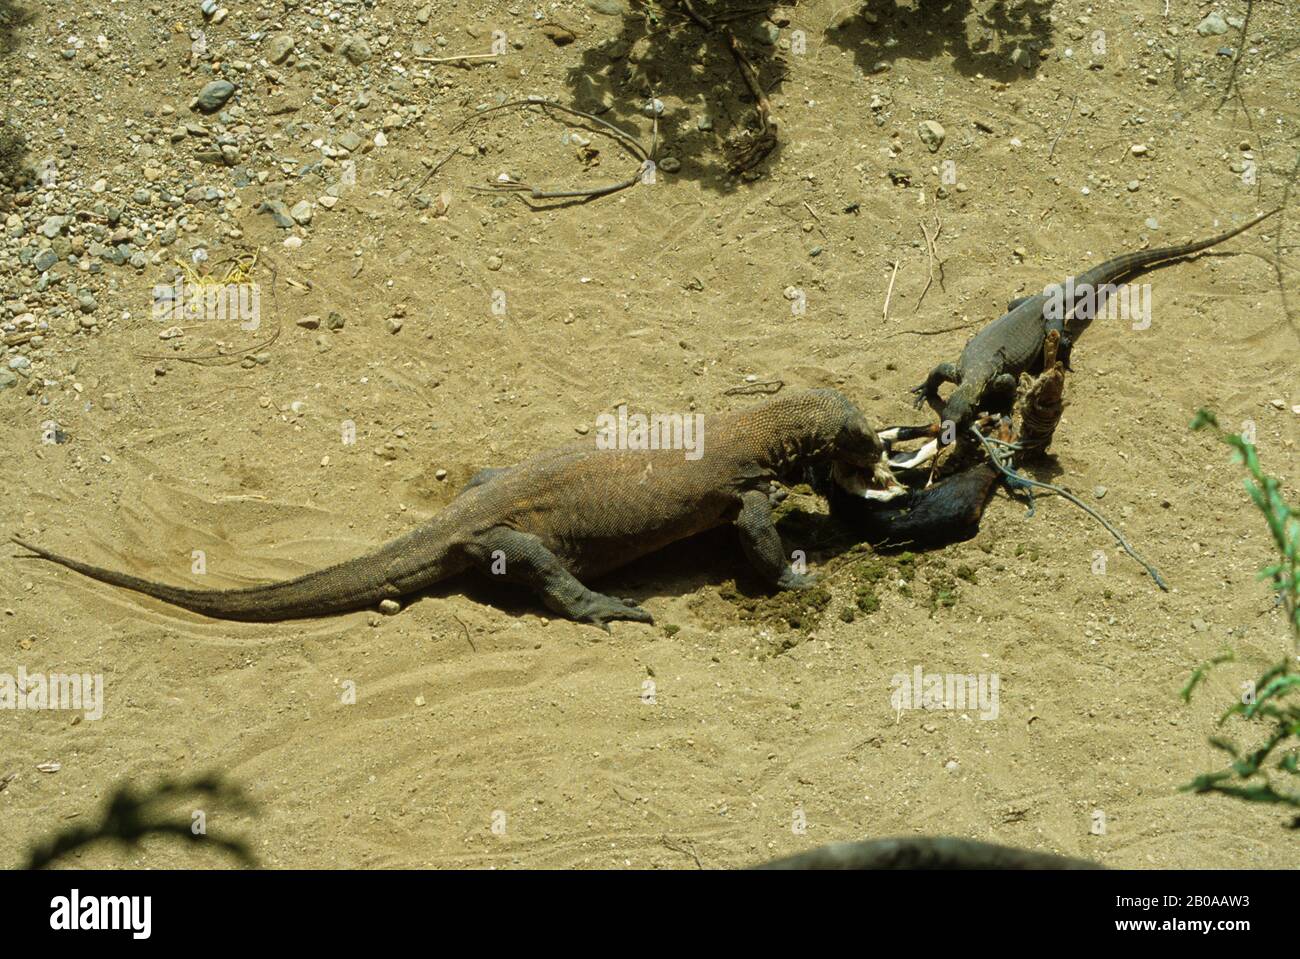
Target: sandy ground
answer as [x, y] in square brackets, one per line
[759, 739]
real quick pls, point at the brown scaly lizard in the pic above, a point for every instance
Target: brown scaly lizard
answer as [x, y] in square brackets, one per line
[576, 512]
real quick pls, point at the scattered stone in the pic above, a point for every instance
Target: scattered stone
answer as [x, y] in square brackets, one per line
[1099, 491]
[558, 35]
[279, 213]
[670, 164]
[494, 263]
[932, 135]
[7, 379]
[1212, 26]
[394, 324]
[301, 212]
[334, 321]
[54, 225]
[350, 141]
[214, 96]
[45, 260]
[327, 201]
[309, 322]
[356, 49]
[279, 47]
[390, 607]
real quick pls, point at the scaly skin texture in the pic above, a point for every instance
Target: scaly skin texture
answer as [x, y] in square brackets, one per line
[573, 513]
[992, 361]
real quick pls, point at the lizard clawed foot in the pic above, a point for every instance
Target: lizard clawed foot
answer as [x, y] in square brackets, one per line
[603, 610]
[919, 393]
[790, 580]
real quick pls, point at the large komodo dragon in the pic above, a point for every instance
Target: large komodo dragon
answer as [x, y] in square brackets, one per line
[576, 512]
[989, 367]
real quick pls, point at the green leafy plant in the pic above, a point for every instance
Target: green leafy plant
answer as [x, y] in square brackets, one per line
[1273, 702]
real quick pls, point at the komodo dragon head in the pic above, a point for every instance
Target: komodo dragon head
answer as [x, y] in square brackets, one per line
[857, 455]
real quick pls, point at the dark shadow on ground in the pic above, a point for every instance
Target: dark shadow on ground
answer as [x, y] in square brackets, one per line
[1000, 40]
[14, 174]
[131, 814]
[662, 51]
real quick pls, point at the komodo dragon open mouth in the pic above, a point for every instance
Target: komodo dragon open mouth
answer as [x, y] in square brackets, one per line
[878, 483]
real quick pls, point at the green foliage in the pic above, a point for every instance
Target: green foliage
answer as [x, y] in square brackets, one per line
[1265, 491]
[1274, 704]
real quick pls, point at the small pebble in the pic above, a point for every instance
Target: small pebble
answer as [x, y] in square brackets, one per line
[932, 134]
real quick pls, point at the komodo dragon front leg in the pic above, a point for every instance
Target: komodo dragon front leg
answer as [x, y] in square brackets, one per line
[761, 543]
[928, 392]
[523, 558]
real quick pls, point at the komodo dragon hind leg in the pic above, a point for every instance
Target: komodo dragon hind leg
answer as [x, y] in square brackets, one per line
[928, 392]
[481, 477]
[762, 545]
[1000, 393]
[522, 558]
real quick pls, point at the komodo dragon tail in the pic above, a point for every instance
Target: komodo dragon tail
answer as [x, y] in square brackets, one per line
[1127, 263]
[405, 565]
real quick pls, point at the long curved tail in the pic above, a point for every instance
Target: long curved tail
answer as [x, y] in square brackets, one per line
[1124, 264]
[409, 563]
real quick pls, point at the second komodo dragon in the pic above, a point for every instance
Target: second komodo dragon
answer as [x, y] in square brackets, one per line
[576, 512]
[987, 371]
